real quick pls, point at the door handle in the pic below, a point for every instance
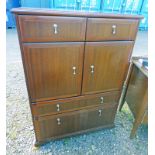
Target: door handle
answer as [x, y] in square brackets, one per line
[92, 69]
[74, 70]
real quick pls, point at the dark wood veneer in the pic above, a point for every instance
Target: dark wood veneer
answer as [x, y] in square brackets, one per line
[44, 108]
[49, 12]
[110, 61]
[67, 95]
[100, 29]
[50, 69]
[40, 28]
[74, 121]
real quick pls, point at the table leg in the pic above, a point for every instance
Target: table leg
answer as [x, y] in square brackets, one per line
[139, 117]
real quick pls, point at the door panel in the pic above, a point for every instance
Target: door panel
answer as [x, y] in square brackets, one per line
[53, 70]
[105, 66]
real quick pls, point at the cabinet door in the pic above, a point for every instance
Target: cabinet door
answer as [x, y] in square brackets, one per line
[105, 65]
[54, 70]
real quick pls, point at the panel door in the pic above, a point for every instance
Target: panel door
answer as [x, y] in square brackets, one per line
[54, 70]
[105, 65]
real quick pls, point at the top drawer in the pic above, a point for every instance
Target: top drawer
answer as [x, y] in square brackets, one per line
[51, 28]
[99, 29]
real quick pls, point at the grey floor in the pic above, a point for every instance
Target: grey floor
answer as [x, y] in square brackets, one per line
[20, 133]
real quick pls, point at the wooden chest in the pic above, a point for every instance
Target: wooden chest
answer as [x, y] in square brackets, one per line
[75, 64]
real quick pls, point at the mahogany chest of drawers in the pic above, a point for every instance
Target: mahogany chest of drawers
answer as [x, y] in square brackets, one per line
[75, 64]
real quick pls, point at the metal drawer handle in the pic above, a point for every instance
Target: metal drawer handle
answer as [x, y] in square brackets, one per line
[102, 99]
[55, 26]
[92, 69]
[113, 29]
[58, 121]
[58, 107]
[74, 70]
[100, 112]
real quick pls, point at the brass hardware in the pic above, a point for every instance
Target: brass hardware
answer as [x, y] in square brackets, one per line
[55, 28]
[58, 107]
[92, 69]
[100, 112]
[74, 70]
[102, 99]
[58, 121]
[113, 29]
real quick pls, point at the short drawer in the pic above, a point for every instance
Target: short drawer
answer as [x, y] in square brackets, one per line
[99, 29]
[75, 103]
[51, 28]
[67, 124]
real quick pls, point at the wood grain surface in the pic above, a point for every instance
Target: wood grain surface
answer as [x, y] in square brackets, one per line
[41, 28]
[48, 127]
[110, 61]
[50, 69]
[44, 108]
[100, 29]
[67, 96]
[76, 13]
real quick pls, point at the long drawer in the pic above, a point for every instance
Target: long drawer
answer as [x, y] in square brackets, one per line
[75, 103]
[51, 28]
[65, 124]
[100, 29]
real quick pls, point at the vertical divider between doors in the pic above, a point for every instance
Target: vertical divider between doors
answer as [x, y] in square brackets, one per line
[84, 57]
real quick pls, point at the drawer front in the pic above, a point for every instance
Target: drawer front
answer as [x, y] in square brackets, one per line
[76, 103]
[59, 125]
[111, 29]
[51, 28]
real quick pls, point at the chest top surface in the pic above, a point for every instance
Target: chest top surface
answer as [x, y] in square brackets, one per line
[76, 13]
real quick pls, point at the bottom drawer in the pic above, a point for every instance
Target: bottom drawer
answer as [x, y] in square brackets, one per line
[60, 125]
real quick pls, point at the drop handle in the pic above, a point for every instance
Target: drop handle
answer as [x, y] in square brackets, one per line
[74, 70]
[58, 107]
[102, 100]
[58, 121]
[114, 29]
[100, 112]
[55, 26]
[92, 69]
